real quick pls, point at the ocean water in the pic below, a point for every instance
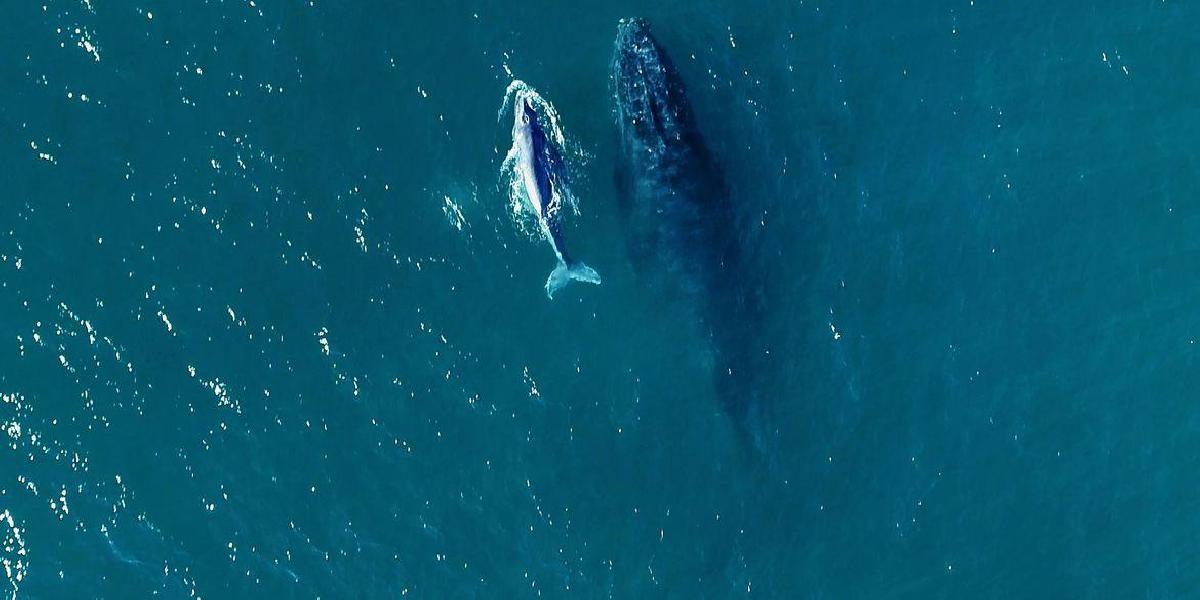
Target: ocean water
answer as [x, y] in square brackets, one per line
[269, 328]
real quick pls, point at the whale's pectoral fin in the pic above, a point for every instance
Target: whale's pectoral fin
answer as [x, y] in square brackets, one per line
[564, 274]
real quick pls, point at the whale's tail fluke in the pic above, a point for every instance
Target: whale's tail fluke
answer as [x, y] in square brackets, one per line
[565, 273]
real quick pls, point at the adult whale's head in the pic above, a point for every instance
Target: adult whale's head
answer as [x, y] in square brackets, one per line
[652, 109]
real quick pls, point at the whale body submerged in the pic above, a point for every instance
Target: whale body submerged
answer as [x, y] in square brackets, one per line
[540, 168]
[679, 215]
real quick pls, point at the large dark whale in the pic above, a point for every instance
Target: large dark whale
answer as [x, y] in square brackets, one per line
[680, 218]
[541, 170]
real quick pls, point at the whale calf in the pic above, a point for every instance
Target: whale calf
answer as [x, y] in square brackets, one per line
[540, 171]
[680, 218]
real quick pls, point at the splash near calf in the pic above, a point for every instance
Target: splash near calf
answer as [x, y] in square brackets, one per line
[538, 178]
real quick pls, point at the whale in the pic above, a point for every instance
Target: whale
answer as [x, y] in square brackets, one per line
[541, 171]
[680, 218]
[672, 194]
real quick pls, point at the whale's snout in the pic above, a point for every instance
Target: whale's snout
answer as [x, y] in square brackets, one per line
[632, 26]
[633, 34]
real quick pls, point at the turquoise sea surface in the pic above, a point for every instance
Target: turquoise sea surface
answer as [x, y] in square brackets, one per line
[269, 327]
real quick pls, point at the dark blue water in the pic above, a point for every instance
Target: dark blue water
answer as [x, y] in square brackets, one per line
[268, 327]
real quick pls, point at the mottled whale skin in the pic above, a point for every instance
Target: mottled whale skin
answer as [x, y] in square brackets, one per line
[679, 215]
[674, 199]
[540, 166]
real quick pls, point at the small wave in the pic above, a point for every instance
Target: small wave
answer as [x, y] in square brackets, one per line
[453, 212]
